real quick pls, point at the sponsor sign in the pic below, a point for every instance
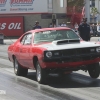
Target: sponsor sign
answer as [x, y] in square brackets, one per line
[11, 26]
[23, 6]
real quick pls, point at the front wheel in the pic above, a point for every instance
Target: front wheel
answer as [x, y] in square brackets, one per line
[94, 70]
[40, 73]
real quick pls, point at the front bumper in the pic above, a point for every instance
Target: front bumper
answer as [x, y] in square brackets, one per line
[75, 58]
[71, 61]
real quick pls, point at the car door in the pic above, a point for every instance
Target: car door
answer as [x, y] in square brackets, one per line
[26, 50]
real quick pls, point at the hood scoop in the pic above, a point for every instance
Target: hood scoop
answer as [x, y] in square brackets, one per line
[68, 41]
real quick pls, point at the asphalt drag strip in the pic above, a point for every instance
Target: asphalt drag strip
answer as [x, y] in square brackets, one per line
[19, 88]
[77, 86]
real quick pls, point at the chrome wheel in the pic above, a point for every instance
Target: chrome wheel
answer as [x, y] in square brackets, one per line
[16, 65]
[38, 73]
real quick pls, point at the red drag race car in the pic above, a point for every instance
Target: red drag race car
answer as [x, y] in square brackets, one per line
[54, 50]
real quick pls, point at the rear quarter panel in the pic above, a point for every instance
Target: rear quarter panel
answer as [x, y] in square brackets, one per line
[13, 49]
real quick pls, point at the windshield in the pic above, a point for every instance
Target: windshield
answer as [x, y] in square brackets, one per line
[54, 35]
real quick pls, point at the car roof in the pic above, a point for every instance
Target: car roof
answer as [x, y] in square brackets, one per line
[46, 29]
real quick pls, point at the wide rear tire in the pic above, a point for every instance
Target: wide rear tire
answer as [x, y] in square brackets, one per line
[94, 70]
[18, 69]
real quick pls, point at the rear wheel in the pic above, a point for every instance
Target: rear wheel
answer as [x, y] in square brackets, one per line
[18, 69]
[94, 70]
[40, 73]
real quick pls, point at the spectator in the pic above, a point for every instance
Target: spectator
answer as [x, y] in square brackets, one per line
[98, 29]
[76, 26]
[37, 26]
[84, 30]
[54, 25]
[91, 30]
[94, 27]
[59, 25]
[50, 25]
[63, 24]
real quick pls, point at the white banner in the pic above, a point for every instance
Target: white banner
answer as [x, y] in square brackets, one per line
[23, 6]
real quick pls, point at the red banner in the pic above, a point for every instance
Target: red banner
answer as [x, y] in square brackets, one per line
[11, 26]
[77, 13]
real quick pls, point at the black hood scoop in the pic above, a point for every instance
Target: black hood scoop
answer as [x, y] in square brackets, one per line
[68, 41]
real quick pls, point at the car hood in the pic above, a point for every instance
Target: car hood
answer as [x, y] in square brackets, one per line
[82, 44]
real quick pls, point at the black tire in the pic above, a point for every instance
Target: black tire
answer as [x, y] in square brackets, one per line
[18, 69]
[94, 70]
[40, 74]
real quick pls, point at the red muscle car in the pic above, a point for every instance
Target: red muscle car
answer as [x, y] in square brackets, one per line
[54, 50]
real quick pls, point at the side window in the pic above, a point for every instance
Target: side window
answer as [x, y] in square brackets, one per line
[37, 37]
[23, 39]
[28, 39]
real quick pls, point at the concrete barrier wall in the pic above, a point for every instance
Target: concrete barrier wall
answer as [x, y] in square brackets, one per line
[29, 21]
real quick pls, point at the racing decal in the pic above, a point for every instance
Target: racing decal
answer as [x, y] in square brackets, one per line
[21, 5]
[20, 2]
